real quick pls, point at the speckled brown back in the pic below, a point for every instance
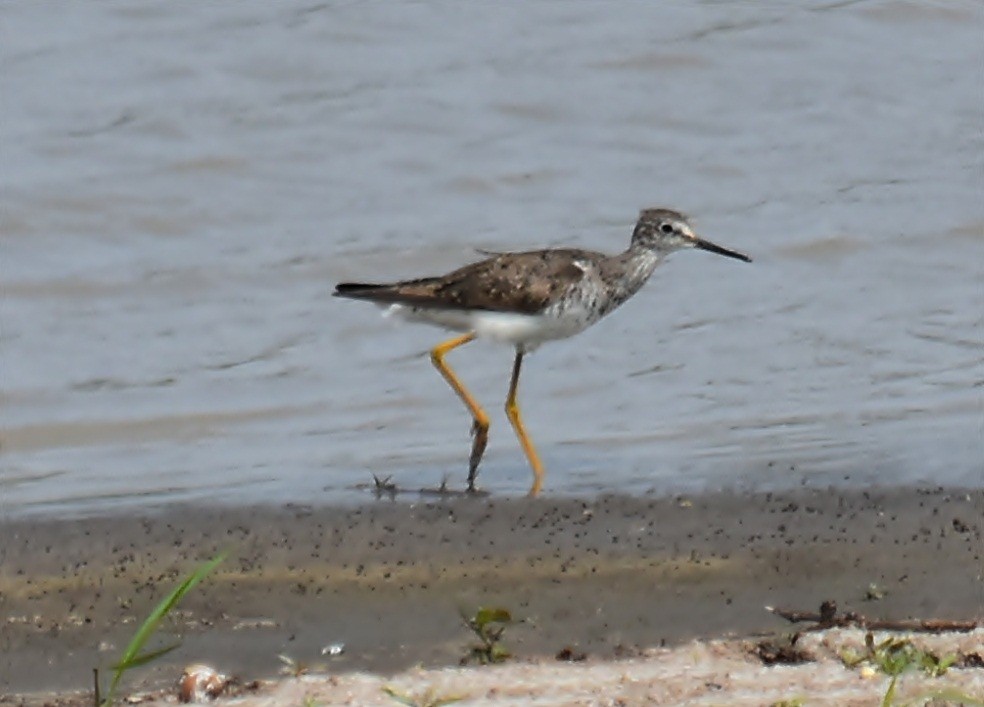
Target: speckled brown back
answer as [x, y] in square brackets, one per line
[510, 282]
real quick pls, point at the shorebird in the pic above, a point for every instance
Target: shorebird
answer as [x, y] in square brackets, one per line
[526, 299]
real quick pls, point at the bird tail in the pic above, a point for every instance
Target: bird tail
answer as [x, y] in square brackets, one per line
[360, 290]
[410, 292]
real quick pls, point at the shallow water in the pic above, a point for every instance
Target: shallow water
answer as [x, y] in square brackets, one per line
[182, 185]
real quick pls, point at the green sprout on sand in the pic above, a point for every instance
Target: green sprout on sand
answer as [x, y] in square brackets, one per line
[429, 698]
[895, 656]
[488, 626]
[134, 656]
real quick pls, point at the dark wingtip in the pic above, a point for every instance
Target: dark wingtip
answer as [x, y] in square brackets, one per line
[347, 288]
[358, 290]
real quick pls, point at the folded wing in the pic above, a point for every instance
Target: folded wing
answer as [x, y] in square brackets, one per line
[509, 282]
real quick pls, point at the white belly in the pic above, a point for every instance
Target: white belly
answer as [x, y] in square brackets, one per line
[525, 330]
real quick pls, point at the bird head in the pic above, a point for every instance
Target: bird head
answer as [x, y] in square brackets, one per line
[665, 230]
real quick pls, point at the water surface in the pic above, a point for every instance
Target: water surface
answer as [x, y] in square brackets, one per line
[183, 183]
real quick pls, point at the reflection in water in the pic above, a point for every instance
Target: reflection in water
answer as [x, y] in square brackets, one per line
[184, 185]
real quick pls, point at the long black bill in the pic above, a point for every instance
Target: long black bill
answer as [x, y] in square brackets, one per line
[713, 248]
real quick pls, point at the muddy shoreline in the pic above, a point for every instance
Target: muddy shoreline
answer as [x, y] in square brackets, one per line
[605, 575]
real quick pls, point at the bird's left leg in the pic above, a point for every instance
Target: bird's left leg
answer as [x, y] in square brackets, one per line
[480, 419]
[512, 412]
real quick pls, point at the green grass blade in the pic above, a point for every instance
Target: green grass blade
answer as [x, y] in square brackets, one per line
[150, 624]
[889, 698]
[145, 658]
[399, 696]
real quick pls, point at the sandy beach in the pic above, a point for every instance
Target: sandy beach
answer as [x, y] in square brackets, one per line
[613, 578]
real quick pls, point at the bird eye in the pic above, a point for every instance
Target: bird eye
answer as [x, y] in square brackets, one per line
[666, 228]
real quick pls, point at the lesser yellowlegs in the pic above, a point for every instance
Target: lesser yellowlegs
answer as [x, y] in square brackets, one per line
[526, 299]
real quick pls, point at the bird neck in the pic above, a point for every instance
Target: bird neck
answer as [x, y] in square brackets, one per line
[630, 271]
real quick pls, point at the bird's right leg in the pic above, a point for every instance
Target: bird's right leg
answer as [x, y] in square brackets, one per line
[512, 412]
[480, 420]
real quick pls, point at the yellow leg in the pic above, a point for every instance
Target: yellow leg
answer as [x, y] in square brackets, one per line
[512, 412]
[480, 424]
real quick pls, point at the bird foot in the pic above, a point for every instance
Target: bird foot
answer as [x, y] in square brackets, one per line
[384, 486]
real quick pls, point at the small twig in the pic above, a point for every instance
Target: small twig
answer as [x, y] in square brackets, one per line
[825, 619]
[829, 618]
[924, 625]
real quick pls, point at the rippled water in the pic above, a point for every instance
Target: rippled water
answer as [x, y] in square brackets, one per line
[183, 183]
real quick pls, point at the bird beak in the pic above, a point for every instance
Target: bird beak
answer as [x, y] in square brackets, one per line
[714, 248]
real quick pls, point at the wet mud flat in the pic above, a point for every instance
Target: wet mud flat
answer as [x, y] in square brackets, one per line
[606, 576]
